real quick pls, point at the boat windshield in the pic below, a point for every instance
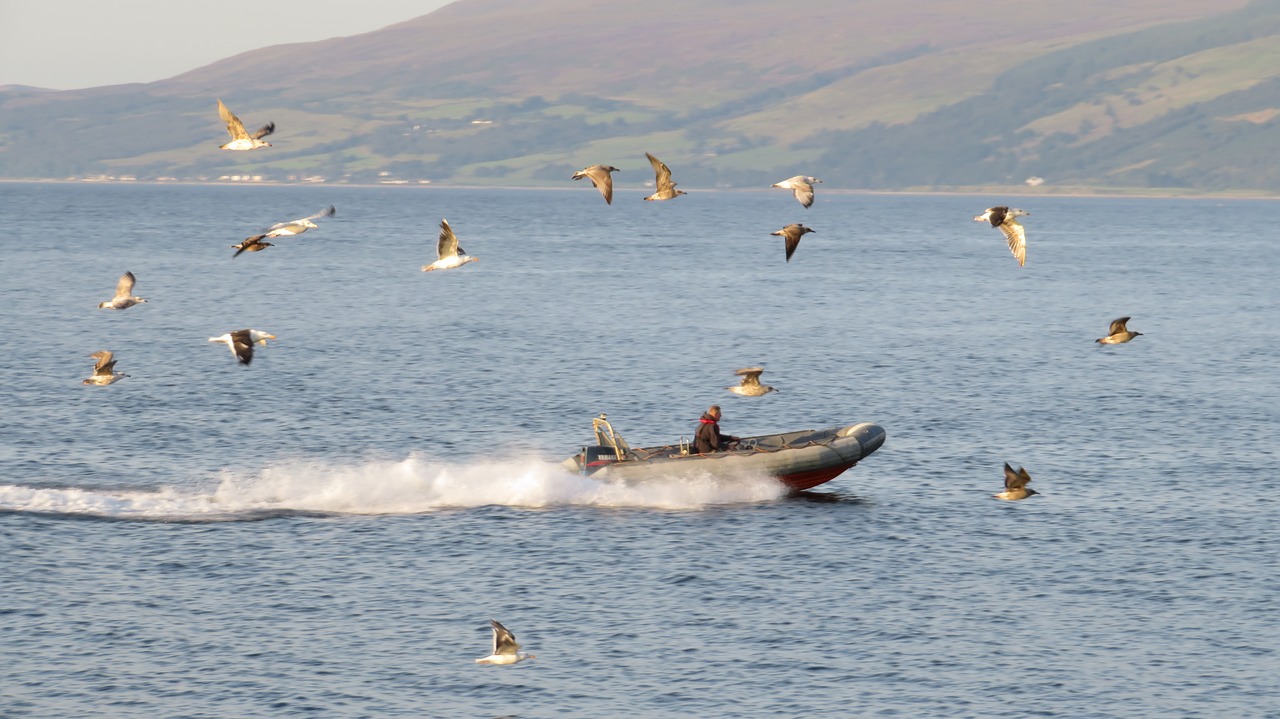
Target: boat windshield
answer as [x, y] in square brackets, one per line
[606, 437]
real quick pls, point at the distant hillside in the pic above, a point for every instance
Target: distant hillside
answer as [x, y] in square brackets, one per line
[865, 93]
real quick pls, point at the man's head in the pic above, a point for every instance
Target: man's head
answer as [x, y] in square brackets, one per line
[714, 411]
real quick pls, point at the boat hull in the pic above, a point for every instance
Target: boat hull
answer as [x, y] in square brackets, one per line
[802, 460]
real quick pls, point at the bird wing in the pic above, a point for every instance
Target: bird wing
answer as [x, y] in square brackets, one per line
[234, 127]
[1023, 476]
[248, 242]
[804, 196]
[242, 345]
[996, 215]
[750, 376]
[792, 233]
[1118, 326]
[802, 190]
[661, 175]
[1016, 234]
[504, 642]
[329, 211]
[124, 288]
[448, 244]
[602, 180]
[263, 131]
[104, 360]
[1014, 480]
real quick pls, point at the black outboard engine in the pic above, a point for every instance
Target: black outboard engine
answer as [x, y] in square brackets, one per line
[596, 456]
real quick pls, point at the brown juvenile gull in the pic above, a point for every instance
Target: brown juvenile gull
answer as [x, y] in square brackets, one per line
[240, 138]
[451, 255]
[104, 371]
[241, 343]
[1118, 334]
[1015, 484]
[1004, 218]
[600, 179]
[251, 244]
[750, 386]
[666, 189]
[505, 648]
[801, 186]
[792, 233]
[124, 298]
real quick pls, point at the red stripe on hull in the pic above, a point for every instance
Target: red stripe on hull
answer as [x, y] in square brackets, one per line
[812, 478]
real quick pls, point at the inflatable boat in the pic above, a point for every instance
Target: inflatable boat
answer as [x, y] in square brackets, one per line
[800, 460]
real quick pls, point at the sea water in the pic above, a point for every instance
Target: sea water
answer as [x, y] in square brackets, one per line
[328, 531]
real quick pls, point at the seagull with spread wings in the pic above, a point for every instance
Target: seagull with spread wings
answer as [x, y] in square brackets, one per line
[240, 137]
[104, 370]
[301, 225]
[1005, 218]
[1015, 484]
[792, 234]
[241, 343]
[505, 648]
[801, 186]
[750, 385]
[665, 188]
[251, 244]
[601, 179]
[124, 298]
[1118, 334]
[450, 254]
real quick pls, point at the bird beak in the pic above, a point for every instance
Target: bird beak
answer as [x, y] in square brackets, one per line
[271, 337]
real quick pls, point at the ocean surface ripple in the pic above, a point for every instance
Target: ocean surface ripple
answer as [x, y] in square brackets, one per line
[328, 532]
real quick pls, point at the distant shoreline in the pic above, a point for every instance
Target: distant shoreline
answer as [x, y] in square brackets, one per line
[1018, 190]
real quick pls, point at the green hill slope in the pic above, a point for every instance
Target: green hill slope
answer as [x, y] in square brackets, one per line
[867, 94]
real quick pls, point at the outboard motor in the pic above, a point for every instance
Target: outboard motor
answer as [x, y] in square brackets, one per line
[596, 456]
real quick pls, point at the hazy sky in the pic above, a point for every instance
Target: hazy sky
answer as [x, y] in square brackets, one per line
[65, 44]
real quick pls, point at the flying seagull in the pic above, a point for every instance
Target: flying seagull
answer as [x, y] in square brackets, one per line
[451, 255]
[750, 386]
[1118, 334]
[104, 371]
[801, 186]
[1015, 484]
[666, 189]
[792, 233]
[299, 226]
[241, 343]
[1005, 219]
[600, 179]
[124, 298]
[240, 138]
[251, 244]
[505, 648]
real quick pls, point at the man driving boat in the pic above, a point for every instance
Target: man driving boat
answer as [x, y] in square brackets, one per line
[709, 438]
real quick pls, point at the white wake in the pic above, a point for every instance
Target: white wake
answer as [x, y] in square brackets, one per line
[410, 486]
